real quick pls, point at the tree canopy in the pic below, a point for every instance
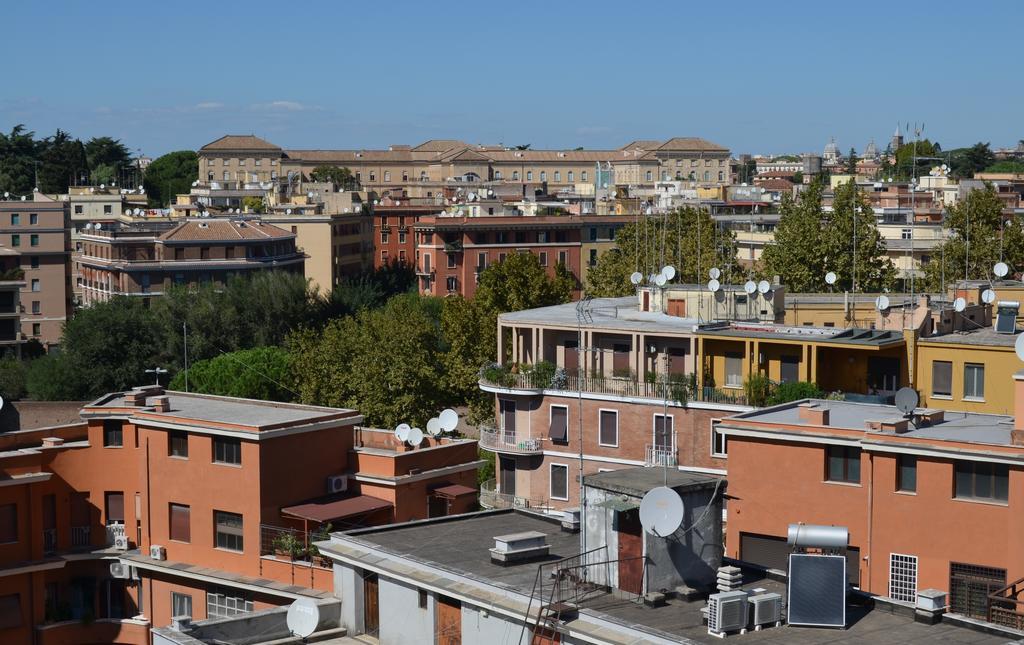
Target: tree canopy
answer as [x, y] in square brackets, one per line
[342, 177]
[924, 151]
[60, 161]
[968, 161]
[170, 175]
[258, 373]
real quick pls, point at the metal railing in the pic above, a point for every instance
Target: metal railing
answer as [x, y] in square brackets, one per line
[660, 456]
[81, 536]
[1005, 607]
[491, 498]
[503, 441]
[272, 538]
[49, 541]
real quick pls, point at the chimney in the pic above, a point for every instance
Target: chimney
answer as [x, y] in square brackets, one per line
[162, 404]
[813, 414]
[52, 442]
[892, 425]
[135, 398]
[931, 416]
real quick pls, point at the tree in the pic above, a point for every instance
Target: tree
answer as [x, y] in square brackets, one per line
[63, 163]
[795, 254]
[851, 162]
[1016, 167]
[18, 151]
[524, 146]
[103, 174]
[254, 204]
[924, 151]
[105, 151]
[259, 373]
[170, 175]
[54, 378]
[520, 282]
[979, 236]
[972, 160]
[342, 177]
[469, 330]
[686, 238]
[12, 379]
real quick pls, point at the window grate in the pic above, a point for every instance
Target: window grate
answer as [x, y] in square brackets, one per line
[903, 577]
[969, 586]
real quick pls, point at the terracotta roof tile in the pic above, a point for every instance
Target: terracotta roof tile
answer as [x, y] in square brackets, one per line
[240, 142]
[223, 229]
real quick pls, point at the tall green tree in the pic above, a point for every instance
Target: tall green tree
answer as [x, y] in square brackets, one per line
[170, 175]
[904, 168]
[63, 163]
[18, 153]
[796, 254]
[106, 151]
[520, 282]
[469, 329]
[338, 176]
[851, 162]
[260, 373]
[971, 160]
[686, 238]
[978, 237]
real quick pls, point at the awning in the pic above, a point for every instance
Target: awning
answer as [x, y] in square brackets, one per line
[452, 491]
[620, 504]
[337, 509]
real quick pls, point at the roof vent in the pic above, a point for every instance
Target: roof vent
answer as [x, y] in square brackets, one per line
[162, 404]
[52, 442]
[931, 416]
[515, 548]
[813, 414]
[894, 425]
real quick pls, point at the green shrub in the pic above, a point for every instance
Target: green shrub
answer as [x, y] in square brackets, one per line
[758, 388]
[794, 391]
[543, 372]
[12, 379]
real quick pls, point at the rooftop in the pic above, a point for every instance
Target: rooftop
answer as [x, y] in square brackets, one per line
[982, 336]
[636, 482]
[240, 142]
[606, 313]
[224, 230]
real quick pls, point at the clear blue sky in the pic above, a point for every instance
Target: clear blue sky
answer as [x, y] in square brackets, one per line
[762, 77]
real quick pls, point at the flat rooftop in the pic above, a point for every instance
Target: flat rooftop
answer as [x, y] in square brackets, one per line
[982, 336]
[839, 336]
[956, 426]
[619, 314]
[458, 546]
[637, 482]
[193, 408]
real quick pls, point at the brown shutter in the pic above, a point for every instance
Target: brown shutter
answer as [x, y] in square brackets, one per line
[9, 523]
[180, 524]
[609, 431]
[559, 430]
[115, 507]
[942, 378]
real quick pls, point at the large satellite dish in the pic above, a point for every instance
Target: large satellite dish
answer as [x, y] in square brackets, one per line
[907, 400]
[831, 277]
[434, 426]
[636, 278]
[415, 437]
[882, 303]
[668, 271]
[1019, 347]
[449, 419]
[959, 304]
[713, 285]
[660, 280]
[402, 431]
[715, 273]
[988, 296]
[750, 287]
[661, 511]
[303, 617]
[763, 287]
[1001, 269]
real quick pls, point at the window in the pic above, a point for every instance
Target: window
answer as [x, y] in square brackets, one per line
[227, 451]
[558, 424]
[452, 283]
[529, 175]
[543, 175]
[422, 598]
[33, 240]
[8, 523]
[37, 329]
[569, 176]
[906, 473]
[180, 523]
[733, 370]
[648, 176]
[15, 219]
[10, 611]
[113, 435]
[515, 174]
[37, 307]
[593, 257]
[387, 175]
[15, 240]
[842, 464]
[114, 505]
[981, 481]
[906, 234]
[35, 284]
[543, 257]
[481, 261]
[227, 530]
[789, 369]
[562, 255]
[222, 602]
[33, 218]
[78, 209]
[34, 261]
[974, 381]
[707, 176]
[558, 176]
[942, 378]
[497, 174]
[608, 434]
[719, 442]
[451, 260]
[177, 444]
[559, 481]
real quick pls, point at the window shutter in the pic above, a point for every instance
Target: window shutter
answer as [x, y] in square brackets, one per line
[942, 378]
[559, 430]
[180, 524]
[609, 432]
[115, 507]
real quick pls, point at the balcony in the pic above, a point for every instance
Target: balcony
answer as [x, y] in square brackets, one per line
[509, 442]
[80, 536]
[49, 541]
[453, 247]
[491, 498]
[1006, 607]
[660, 456]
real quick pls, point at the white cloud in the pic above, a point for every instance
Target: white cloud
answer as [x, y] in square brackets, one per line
[289, 106]
[209, 105]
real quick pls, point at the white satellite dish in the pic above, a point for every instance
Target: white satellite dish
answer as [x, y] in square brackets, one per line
[763, 287]
[402, 431]
[1, 403]
[831, 277]
[303, 617]
[715, 273]
[415, 437]
[434, 426]
[449, 419]
[288, 211]
[713, 285]
[660, 280]
[907, 399]
[668, 271]
[1019, 347]
[103, 186]
[882, 303]
[959, 304]
[750, 287]
[988, 296]
[636, 278]
[1001, 269]
[661, 511]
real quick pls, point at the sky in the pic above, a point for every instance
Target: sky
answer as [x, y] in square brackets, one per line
[758, 77]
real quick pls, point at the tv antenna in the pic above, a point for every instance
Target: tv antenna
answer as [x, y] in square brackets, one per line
[157, 371]
[661, 511]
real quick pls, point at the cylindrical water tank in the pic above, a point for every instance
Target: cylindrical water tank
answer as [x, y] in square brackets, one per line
[817, 536]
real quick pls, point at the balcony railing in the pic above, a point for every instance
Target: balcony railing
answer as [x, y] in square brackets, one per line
[49, 541]
[1005, 606]
[660, 456]
[502, 441]
[292, 544]
[80, 536]
[491, 498]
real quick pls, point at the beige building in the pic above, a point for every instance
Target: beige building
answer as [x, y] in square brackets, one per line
[37, 233]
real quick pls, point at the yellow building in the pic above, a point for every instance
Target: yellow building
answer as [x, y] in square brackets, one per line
[968, 371]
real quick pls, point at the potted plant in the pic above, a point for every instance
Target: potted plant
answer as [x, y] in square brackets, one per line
[287, 547]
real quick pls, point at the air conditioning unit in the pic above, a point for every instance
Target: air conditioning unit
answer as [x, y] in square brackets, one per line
[337, 484]
[727, 612]
[120, 570]
[121, 542]
[158, 552]
[766, 609]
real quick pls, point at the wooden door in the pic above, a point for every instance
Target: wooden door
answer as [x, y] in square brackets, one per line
[371, 604]
[449, 621]
[631, 548]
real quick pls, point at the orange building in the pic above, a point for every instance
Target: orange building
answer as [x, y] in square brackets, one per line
[170, 504]
[933, 501]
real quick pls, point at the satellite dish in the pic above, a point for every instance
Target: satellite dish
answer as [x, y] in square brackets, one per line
[1001, 269]
[1019, 347]
[750, 287]
[882, 303]
[661, 511]
[103, 186]
[1, 403]
[660, 280]
[669, 272]
[636, 278]
[303, 617]
[715, 273]
[434, 426]
[288, 211]
[988, 296]
[831, 277]
[764, 287]
[959, 304]
[907, 399]
[415, 437]
[402, 431]
[449, 419]
[713, 285]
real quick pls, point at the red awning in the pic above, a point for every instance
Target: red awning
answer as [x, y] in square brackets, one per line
[338, 509]
[454, 490]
